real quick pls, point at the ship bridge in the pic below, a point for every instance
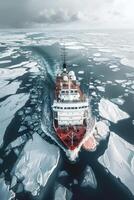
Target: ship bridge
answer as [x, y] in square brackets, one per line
[70, 106]
[70, 113]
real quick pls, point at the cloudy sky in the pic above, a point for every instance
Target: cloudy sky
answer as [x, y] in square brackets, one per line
[67, 13]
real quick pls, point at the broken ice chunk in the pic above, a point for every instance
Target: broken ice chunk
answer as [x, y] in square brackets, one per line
[118, 101]
[119, 160]
[102, 129]
[63, 174]
[110, 111]
[101, 88]
[36, 163]
[20, 140]
[9, 89]
[127, 62]
[62, 193]
[5, 193]
[80, 72]
[89, 178]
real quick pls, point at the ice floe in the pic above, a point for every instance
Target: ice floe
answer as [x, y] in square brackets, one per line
[119, 101]
[62, 193]
[22, 64]
[113, 66]
[100, 132]
[78, 47]
[63, 174]
[130, 75]
[9, 89]
[100, 59]
[105, 50]
[8, 108]
[101, 88]
[97, 54]
[89, 179]
[20, 140]
[6, 73]
[7, 53]
[5, 192]
[127, 62]
[102, 128]
[3, 83]
[110, 111]
[80, 72]
[5, 61]
[36, 164]
[119, 160]
[120, 81]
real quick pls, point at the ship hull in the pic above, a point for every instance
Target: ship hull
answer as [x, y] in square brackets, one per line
[71, 136]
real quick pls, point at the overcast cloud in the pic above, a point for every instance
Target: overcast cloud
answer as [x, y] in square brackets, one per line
[82, 13]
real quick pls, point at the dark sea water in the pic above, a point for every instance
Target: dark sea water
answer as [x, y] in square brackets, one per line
[31, 59]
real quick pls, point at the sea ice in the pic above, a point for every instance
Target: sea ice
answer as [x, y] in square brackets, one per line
[62, 193]
[105, 50]
[5, 61]
[127, 62]
[119, 160]
[75, 47]
[7, 53]
[113, 66]
[120, 81]
[97, 54]
[8, 108]
[80, 72]
[6, 73]
[63, 174]
[9, 89]
[130, 75]
[5, 192]
[89, 178]
[3, 83]
[110, 111]
[100, 59]
[101, 88]
[20, 140]
[36, 164]
[102, 129]
[22, 64]
[118, 101]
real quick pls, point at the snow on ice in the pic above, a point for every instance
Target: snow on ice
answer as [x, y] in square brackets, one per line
[110, 111]
[34, 165]
[89, 178]
[119, 160]
[8, 108]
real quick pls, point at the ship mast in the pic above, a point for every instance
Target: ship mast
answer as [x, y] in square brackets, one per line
[64, 59]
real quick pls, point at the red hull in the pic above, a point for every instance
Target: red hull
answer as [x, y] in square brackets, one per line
[71, 136]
